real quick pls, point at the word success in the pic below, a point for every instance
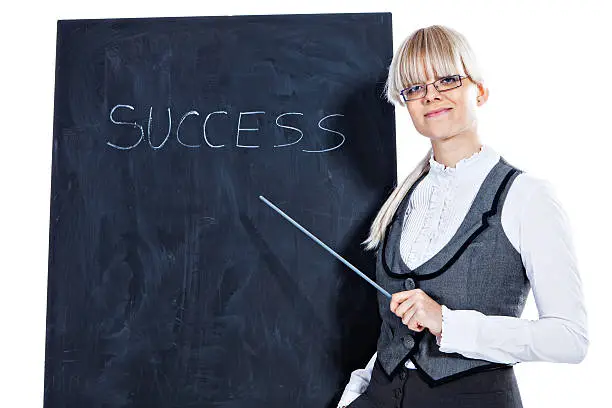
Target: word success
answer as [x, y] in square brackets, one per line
[212, 141]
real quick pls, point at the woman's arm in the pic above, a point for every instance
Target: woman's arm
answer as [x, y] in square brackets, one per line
[359, 381]
[540, 227]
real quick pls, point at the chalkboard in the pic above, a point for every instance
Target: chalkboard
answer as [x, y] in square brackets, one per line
[171, 284]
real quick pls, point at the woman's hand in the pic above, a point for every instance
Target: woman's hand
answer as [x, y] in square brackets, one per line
[417, 310]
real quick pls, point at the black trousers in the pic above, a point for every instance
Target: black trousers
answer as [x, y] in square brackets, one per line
[494, 388]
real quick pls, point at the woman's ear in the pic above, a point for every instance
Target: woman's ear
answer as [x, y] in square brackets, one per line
[483, 94]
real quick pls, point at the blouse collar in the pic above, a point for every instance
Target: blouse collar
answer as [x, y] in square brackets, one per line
[479, 162]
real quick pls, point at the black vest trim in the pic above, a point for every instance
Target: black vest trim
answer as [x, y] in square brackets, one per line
[430, 380]
[484, 225]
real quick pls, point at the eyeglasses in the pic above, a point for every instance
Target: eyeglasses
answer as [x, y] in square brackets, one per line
[419, 91]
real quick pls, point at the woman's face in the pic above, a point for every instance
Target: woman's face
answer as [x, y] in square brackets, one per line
[461, 118]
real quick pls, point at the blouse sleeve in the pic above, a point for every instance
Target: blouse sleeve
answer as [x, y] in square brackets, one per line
[548, 255]
[359, 381]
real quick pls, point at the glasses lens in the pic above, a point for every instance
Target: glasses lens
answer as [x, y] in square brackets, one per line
[449, 82]
[414, 92]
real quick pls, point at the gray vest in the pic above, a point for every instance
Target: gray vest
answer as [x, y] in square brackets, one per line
[478, 269]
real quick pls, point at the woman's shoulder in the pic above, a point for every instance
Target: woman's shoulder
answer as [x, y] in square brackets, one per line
[527, 183]
[531, 208]
[529, 190]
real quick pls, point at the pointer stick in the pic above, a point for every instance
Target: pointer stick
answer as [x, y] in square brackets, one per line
[384, 292]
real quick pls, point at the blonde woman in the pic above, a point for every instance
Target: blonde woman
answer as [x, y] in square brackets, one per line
[460, 243]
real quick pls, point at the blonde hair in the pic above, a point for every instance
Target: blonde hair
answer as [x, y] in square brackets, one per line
[435, 50]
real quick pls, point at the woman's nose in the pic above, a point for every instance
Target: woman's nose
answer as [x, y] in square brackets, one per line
[431, 93]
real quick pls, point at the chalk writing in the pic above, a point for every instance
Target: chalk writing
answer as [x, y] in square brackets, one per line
[239, 131]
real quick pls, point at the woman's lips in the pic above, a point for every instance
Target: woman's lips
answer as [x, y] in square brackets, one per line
[442, 112]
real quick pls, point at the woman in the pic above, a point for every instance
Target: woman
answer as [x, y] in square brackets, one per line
[460, 243]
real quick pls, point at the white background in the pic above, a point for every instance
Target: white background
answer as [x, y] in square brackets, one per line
[547, 68]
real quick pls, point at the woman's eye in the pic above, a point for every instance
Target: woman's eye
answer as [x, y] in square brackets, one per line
[448, 80]
[414, 89]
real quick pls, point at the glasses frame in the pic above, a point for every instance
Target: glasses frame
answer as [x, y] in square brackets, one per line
[434, 84]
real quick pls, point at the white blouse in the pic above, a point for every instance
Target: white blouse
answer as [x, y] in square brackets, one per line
[537, 226]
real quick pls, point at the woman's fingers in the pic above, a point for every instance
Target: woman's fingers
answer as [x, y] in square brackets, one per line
[410, 319]
[407, 315]
[404, 306]
[398, 298]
